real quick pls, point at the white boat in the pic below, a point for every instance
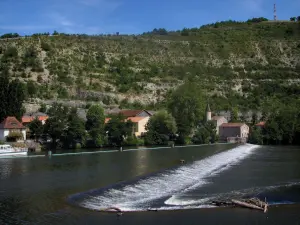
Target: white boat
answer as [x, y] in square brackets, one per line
[7, 150]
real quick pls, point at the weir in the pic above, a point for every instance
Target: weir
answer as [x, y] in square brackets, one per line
[147, 192]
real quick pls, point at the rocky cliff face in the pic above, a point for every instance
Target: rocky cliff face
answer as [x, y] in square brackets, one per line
[228, 59]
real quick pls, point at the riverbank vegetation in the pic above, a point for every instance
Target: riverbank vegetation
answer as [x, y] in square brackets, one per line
[282, 127]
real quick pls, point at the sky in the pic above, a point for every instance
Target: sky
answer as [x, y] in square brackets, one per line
[131, 16]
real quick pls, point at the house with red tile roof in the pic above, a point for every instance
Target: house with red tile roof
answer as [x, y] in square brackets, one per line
[28, 118]
[234, 130]
[10, 126]
[139, 124]
[139, 118]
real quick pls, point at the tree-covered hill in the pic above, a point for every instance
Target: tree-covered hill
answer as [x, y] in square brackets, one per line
[243, 64]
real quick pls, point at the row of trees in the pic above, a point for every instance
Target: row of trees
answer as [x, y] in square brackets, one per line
[294, 18]
[182, 123]
[67, 130]
[282, 127]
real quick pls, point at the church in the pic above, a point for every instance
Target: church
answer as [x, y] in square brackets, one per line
[229, 132]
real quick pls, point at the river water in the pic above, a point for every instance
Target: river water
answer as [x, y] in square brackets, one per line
[70, 189]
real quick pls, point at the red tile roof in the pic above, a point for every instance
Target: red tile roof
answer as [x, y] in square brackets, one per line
[11, 123]
[232, 124]
[130, 113]
[261, 124]
[28, 119]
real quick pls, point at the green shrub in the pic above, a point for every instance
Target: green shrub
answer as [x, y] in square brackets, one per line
[45, 46]
[11, 52]
[133, 141]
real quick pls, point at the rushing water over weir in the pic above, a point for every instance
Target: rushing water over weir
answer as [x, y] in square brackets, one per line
[160, 190]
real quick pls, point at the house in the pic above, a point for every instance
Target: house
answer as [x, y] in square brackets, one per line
[11, 128]
[139, 124]
[139, 118]
[27, 118]
[218, 121]
[233, 130]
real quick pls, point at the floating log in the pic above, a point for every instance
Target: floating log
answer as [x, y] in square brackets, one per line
[252, 204]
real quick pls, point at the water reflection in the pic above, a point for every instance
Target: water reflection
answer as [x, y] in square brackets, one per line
[5, 168]
[141, 161]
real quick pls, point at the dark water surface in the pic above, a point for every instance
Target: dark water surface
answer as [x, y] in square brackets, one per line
[67, 189]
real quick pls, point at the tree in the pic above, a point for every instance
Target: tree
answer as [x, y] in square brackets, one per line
[95, 124]
[234, 115]
[187, 105]
[256, 136]
[206, 133]
[160, 127]
[55, 33]
[257, 20]
[75, 132]
[293, 19]
[201, 136]
[17, 93]
[36, 127]
[118, 129]
[57, 123]
[254, 118]
[12, 95]
[4, 81]
[43, 108]
[298, 18]
[32, 88]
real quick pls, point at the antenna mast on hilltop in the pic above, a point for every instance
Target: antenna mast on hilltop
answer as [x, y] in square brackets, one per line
[275, 15]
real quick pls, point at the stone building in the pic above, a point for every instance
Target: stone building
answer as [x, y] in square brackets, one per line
[228, 131]
[233, 130]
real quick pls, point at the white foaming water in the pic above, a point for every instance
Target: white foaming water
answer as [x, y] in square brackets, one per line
[138, 196]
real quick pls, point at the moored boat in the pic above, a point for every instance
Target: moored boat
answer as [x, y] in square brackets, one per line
[7, 150]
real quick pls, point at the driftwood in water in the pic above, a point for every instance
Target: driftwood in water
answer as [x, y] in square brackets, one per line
[252, 204]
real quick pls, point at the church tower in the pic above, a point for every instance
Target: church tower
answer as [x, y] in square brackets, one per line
[208, 113]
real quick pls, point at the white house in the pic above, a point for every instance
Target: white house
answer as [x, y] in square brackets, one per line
[12, 125]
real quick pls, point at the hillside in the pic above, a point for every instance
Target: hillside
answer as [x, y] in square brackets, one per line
[236, 63]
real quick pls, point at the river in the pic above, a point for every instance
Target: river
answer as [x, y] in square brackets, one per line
[69, 189]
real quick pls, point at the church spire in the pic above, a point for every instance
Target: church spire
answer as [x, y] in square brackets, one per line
[208, 112]
[208, 107]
